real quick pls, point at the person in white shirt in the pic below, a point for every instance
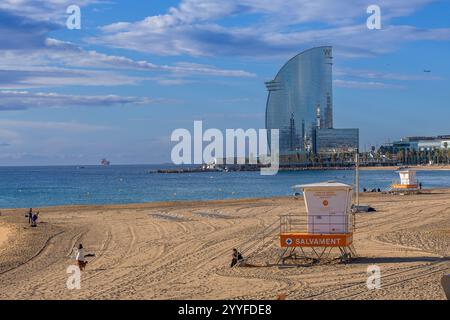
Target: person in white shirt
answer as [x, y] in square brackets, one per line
[80, 257]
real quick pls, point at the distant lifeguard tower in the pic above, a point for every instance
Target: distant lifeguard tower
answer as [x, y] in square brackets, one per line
[408, 182]
[327, 225]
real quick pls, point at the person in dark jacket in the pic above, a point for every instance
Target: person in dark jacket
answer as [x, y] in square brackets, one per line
[30, 216]
[236, 257]
[34, 219]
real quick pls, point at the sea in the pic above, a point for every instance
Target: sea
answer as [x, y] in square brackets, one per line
[25, 187]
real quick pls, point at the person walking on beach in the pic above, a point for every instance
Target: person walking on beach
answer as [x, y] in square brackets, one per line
[236, 258]
[80, 257]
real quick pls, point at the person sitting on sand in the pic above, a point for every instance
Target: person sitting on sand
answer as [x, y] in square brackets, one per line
[80, 257]
[236, 258]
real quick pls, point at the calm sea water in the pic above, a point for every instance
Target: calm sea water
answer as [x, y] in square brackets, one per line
[22, 187]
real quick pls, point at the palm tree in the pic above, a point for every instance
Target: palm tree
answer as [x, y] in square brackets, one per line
[400, 156]
[421, 157]
[312, 159]
[446, 150]
[440, 153]
[378, 156]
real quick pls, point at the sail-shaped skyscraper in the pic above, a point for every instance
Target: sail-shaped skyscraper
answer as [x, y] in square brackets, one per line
[300, 102]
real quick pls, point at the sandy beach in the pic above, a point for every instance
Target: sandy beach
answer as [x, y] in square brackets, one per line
[4, 232]
[418, 168]
[181, 250]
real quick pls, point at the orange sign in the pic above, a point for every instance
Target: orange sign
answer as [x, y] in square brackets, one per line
[315, 240]
[404, 186]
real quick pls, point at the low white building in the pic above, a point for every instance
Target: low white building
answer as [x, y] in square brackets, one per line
[429, 145]
[445, 144]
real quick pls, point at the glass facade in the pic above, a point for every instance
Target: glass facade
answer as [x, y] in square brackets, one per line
[418, 144]
[300, 100]
[336, 140]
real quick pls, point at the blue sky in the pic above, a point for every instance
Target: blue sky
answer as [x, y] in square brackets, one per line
[137, 70]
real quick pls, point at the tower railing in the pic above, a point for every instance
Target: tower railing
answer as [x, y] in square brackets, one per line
[300, 223]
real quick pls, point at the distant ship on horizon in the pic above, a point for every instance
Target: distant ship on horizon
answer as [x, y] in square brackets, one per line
[105, 162]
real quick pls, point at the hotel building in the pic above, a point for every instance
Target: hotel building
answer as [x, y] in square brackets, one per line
[300, 105]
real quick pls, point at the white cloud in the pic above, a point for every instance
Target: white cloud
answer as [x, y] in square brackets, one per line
[194, 28]
[365, 84]
[50, 125]
[7, 135]
[24, 24]
[234, 100]
[70, 54]
[276, 12]
[13, 131]
[23, 77]
[358, 41]
[371, 74]
[19, 100]
[42, 10]
[61, 64]
[173, 82]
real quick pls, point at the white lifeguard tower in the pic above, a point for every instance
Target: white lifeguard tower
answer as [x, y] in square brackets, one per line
[408, 182]
[327, 225]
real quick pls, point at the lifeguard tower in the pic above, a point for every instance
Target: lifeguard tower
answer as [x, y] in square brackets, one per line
[328, 224]
[408, 182]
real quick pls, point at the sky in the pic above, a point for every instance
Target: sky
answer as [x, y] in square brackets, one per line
[137, 70]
